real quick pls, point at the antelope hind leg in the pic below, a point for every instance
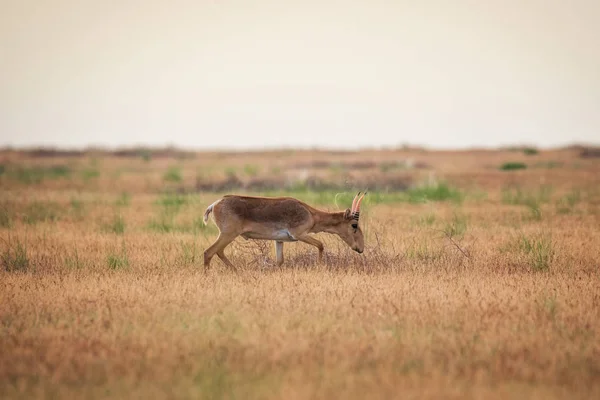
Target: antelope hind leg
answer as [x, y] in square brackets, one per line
[279, 252]
[217, 248]
[221, 255]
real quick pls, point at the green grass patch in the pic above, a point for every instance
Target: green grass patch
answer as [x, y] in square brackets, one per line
[167, 223]
[534, 211]
[421, 194]
[532, 200]
[41, 212]
[117, 225]
[123, 200]
[512, 166]
[169, 206]
[77, 208]
[434, 192]
[172, 202]
[457, 226]
[145, 155]
[537, 250]
[74, 260]
[386, 167]
[251, 170]
[173, 175]
[336, 168]
[198, 226]
[518, 196]
[567, 202]
[6, 216]
[424, 220]
[15, 258]
[423, 251]
[530, 151]
[37, 174]
[190, 254]
[162, 224]
[230, 172]
[548, 164]
[90, 173]
[118, 260]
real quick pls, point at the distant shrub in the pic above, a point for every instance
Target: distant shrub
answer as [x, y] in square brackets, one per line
[530, 151]
[90, 173]
[230, 172]
[145, 155]
[251, 170]
[173, 174]
[511, 166]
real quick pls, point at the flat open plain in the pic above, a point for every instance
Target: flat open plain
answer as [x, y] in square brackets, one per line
[480, 279]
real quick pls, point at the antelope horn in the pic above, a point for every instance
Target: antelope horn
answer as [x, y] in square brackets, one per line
[354, 203]
[357, 207]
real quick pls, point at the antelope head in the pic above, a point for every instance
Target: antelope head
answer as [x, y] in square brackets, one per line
[349, 231]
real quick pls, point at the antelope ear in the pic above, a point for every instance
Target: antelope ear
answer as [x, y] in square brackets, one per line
[348, 214]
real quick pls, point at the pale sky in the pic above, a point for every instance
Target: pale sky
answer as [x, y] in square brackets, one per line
[248, 74]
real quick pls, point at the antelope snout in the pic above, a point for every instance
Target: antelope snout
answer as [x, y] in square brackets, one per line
[359, 251]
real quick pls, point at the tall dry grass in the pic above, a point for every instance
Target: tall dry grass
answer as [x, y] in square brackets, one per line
[493, 292]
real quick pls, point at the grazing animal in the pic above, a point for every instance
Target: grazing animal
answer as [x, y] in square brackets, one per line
[282, 219]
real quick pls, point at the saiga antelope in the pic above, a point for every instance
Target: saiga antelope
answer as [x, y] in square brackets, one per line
[282, 219]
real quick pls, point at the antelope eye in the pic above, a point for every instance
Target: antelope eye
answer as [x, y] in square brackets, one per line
[355, 226]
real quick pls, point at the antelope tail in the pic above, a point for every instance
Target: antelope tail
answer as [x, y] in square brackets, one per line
[208, 211]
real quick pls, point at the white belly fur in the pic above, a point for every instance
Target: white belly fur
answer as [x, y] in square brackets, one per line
[282, 236]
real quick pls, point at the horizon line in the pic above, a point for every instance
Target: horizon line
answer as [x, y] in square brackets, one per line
[193, 149]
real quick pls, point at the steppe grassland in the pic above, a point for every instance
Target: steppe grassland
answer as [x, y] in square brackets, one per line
[476, 281]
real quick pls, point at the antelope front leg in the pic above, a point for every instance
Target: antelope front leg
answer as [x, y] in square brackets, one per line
[314, 242]
[279, 252]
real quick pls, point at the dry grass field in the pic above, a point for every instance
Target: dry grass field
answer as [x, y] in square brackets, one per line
[480, 278]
